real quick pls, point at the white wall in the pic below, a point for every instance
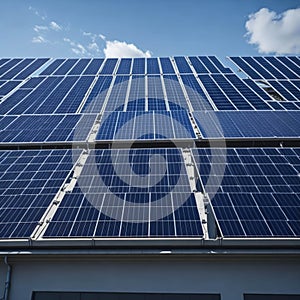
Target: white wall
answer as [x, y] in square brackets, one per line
[226, 275]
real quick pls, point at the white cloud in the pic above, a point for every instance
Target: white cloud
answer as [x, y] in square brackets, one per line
[81, 49]
[93, 47]
[38, 28]
[76, 51]
[122, 49]
[103, 37]
[275, 33]
[39, 40]
[77, 48]
[55, 26]
[37, 13]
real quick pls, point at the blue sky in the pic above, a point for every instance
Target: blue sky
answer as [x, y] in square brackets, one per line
[98, 28]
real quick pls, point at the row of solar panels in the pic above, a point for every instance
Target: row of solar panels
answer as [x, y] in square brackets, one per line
[18, 68]
[160, 125]
[256, 67]
[88, 94]
[146, 193]
[269, 68]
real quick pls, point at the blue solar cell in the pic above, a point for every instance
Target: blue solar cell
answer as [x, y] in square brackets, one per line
[216, 94]
[66, 66]
[75, 96]
[246, 67]
[109, 66]
[208, 64]
[8, 87]
[266, 205]
[4, 61]
[182, 65]
[282, 68]
[235, 97]
[219, 65]
[287, 62]
[282, 91]
[95, 99]
[94, 66]
[256, 88]
[32, 83]
[263, 61]
[249, 95]
[166, 65]
[52, 67]
[7, 66]
[198, 65]
[248, 124]
[124, 66]
[174, 93]
[196, 95]
[38, 63]
[80, 66]
[106, 214]
[26, 200]
[138, 66]
[152, 66]
[258, 68]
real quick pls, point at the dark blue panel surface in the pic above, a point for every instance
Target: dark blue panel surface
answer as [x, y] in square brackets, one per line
[138, 66]
[94, 66]
[108, 203]
[38, 63]
[29, 191]
[166, 65]
[264, 205]
[79, 67]
[152, 66]
[124, 66]
[251, 124]
[52, 67]
[182, 65]
[109, 66]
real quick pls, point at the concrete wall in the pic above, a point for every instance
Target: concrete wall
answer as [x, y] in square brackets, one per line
[230, 276]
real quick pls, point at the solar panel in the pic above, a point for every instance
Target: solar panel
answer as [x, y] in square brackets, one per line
[258, 194]
[195, 93]
[155, 87]
[8, 65]
[124, 66]
[152, 66]
[166, 65]
[280, 68]
[156, 100]
[148, 125]
[96, 98]
[8, 86]
[45, 128]
[29, 181]
[80, 66]
[216, 94]
[52, 67]
[66, 66]
[151, 199]
[208, 64]
[138, 66]
[182, 64]
[283, 69]
[109, 66]
[53, 95]
[249, 124]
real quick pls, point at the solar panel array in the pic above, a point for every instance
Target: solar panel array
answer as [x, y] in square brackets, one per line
[29, 181]
[150, 192]
[259, 191]
[110, 200]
